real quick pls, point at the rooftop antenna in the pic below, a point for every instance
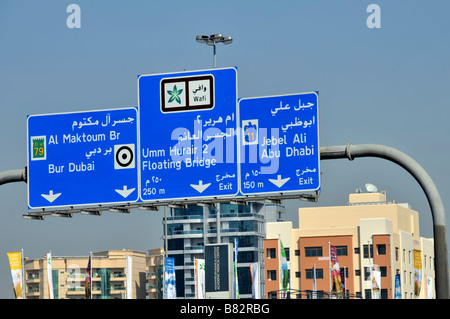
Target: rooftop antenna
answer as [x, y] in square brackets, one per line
[371, 188]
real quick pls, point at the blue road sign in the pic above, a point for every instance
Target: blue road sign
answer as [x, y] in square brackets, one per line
[279, 147]
[188, 134]
[82, 158]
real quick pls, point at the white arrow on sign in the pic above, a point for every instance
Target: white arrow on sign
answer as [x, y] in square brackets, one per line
[125, 191]
[50, 196]
[200, 187]
[279, 181]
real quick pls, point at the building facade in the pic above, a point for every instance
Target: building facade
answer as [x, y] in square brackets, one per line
[155, 274]
[109, 272]
[369, 234]
[190, 229]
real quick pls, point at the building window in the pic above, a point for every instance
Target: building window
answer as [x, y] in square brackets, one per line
[396, 253]
[310, 273]
[381, 249]
[367, 294]
[383, 271]
[341, 250]
[384, 294]
[313, 251]
[297, 252]
[344, 271]
[272, 275]
[272, 295]
[366, 273]
[271, 253]
[368, 251]
[288, 254]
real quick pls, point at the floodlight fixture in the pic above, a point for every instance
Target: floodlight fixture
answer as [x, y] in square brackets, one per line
[34, 217]
[90, 212]
[62, 214]
[212, 40]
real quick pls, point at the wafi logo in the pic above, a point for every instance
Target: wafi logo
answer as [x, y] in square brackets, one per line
[187, 93]
[38, 148]
[175, 95]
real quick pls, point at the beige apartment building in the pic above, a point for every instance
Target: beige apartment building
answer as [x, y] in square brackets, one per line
[109, 276]
[368, 231]
[154, 274]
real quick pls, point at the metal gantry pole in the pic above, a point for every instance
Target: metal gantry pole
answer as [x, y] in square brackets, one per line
[14, 175]
[351, 151]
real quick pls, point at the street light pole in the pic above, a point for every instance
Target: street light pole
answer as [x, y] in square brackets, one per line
[214, 54]
[212, 40]
[351, 151]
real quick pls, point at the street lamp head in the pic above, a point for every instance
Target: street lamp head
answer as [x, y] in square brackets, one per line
[212, 40]
[216, 37]
[201, 38]
[227, 40]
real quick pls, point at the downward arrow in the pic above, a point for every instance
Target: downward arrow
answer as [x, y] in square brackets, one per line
[50, 196]
[279, 181]
[125, 191]
[200, 187]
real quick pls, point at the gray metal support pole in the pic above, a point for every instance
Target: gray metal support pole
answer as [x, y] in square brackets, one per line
[15, 175]
[351, 151]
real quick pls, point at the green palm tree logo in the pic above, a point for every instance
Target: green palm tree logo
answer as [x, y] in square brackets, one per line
[175, 94]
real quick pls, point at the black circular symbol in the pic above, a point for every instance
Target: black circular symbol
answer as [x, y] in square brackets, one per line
[124, 156]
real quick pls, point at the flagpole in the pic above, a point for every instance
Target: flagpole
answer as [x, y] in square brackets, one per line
[165, 252]
[90, 273]
[314, 296]
[196, 278]
[371, 271]
[23, 275]
[329, 263]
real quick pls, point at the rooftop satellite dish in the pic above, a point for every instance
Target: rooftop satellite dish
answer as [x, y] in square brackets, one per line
[371, 188]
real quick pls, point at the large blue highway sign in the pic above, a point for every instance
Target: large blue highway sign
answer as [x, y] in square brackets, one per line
[188, 134]
[82, 158]
[279, 147]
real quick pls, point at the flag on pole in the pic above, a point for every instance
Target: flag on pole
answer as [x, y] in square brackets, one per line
[254, 275]
[87, 280]
[376, 281]
[314, 296]
[15, 263]
[284, 271]
[429, 287]
[129, 277]
[336, 280]
[169, 278]
[417, 273]
[49, 276]
[398, 287]
[200, 278]
[342, 272]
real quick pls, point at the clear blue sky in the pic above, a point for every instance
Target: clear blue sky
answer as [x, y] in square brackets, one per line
[387, 85]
